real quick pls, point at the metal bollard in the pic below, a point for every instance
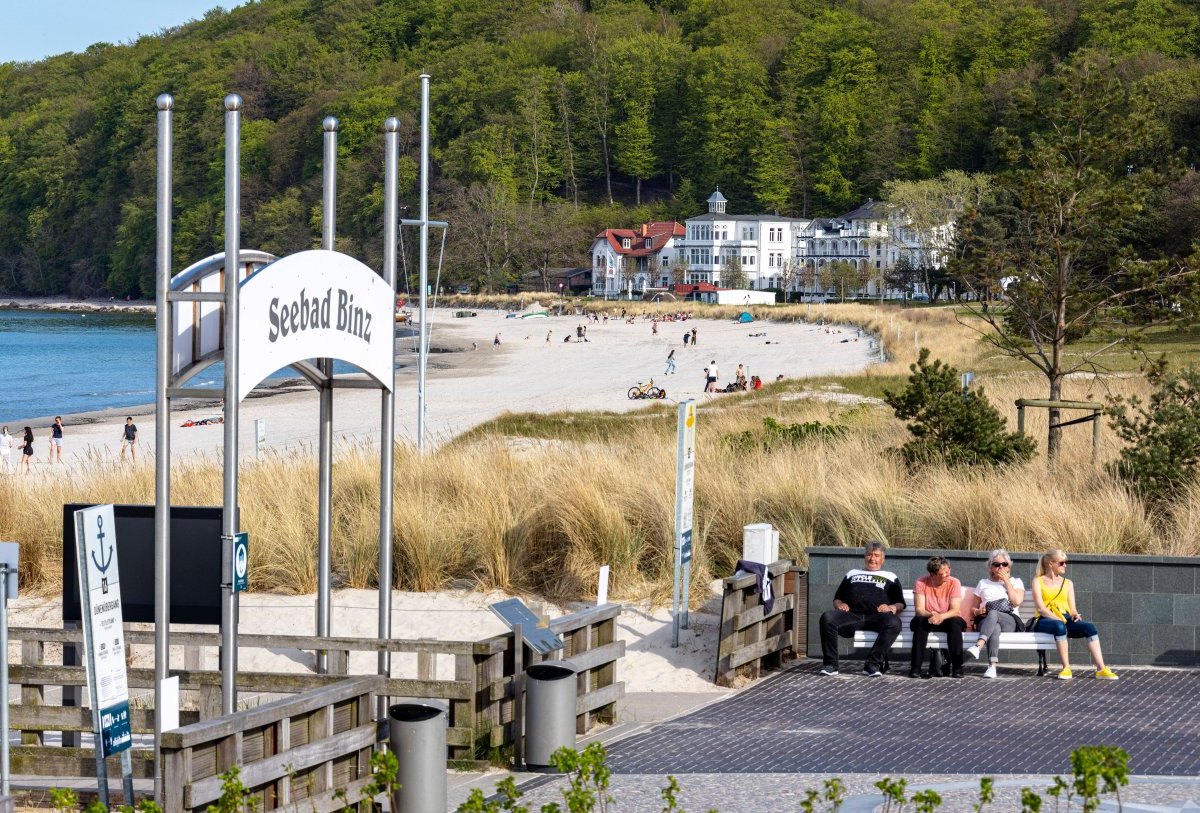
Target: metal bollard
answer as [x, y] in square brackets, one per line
[417, 730]
[549, 711]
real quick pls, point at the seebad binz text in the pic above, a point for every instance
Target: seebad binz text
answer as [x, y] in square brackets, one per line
[317, 313]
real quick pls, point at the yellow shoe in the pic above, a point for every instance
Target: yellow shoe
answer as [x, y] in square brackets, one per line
[1106, 674]
[1066, 674]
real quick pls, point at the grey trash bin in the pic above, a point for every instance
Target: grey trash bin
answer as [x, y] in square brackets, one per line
[417, 729]
[549, 710]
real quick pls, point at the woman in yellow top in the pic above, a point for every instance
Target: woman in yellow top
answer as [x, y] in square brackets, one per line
[1054, 595]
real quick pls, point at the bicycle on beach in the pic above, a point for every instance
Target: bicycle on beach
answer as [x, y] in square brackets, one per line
[646, 391]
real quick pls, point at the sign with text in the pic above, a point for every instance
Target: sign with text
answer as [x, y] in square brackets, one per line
[241, 562]
[103, 634]
[315, 304]
[685, 474]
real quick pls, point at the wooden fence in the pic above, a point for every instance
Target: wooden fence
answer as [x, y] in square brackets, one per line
[479, 691]
[752, 639]
[307, 753]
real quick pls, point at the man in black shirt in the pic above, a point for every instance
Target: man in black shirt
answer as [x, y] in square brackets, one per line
[870, 599]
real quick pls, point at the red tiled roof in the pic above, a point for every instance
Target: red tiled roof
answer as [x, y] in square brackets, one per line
[696, 288]
[658, 233]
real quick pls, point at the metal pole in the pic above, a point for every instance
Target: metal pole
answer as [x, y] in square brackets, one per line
[4, 784]
[387, 430]
[162, 434]
[325, 455]
[423, 263]
[229, 518]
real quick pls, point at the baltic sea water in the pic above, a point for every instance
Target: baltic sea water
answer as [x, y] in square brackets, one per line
[61, 363]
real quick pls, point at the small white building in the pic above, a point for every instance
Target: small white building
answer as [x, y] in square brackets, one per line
[736, 296]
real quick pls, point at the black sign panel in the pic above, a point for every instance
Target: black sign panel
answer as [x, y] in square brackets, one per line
[195, 563]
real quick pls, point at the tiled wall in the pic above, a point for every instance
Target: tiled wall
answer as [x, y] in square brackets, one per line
[1147, 608]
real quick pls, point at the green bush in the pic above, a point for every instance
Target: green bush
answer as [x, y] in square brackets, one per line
[1163, 435]
[952, 426]
[776, 434]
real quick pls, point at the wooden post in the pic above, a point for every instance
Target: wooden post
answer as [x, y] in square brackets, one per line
[1095, 436]
[32, 654]
[1020, 416]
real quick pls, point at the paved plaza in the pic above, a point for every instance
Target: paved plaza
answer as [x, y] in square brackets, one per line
[764, 747]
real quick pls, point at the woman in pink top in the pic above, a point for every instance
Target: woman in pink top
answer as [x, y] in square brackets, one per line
[936, 600]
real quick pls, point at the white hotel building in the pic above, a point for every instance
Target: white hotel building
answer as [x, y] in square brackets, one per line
[868, 237]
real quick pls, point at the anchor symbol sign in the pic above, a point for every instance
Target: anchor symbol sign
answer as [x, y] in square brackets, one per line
[107, 555]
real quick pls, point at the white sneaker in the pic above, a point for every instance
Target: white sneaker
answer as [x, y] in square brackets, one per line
[974, 651]
[990, 672]
[829, 670]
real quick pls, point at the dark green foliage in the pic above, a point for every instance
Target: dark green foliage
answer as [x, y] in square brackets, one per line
[951, 426]
[805, 107]
[1163, 435]
[775, 435]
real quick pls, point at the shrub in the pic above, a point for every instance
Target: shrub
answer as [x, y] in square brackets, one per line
[1163, 435]
[776, 435]
[951, 426]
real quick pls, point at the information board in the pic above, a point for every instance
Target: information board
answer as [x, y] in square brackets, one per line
[103, 633]
[513, 612]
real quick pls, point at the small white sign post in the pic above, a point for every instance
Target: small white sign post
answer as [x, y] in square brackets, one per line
[685, 478]
[104, 642]
[9, 552]
[260, 436]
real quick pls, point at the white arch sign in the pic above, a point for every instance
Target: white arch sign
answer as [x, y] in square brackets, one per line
[315, 304]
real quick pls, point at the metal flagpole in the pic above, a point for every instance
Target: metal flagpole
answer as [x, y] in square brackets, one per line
[162, 436]
[4, 776]
[229, 517]
[325, 475]
[387, 430]
[423, 361]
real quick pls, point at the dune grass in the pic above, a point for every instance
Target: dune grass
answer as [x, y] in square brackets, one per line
[536, 503]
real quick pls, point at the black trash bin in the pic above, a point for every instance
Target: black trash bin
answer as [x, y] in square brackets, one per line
[549, 711]
[417, 729]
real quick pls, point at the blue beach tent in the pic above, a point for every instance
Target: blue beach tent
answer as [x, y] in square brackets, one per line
[745, 317]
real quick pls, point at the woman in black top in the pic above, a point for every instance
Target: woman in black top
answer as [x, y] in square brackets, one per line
[27, 448]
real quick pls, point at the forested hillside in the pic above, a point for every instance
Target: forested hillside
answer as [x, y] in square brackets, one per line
[552, 119]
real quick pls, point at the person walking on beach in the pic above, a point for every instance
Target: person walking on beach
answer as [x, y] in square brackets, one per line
[129, 438]
[687, 337]
[549, 333]
[670, 362]
[56, 438]
[6, 447]
[27, 447]
[496, 341]
[693, 337]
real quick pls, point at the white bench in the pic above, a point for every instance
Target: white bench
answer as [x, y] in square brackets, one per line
[1040, 642]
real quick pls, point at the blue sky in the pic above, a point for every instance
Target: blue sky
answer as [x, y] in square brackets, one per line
[31, 30]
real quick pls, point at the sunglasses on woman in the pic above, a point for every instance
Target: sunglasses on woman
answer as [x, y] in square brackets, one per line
[1000, 564]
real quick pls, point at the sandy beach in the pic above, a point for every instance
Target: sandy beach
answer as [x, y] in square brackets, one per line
[471, 380]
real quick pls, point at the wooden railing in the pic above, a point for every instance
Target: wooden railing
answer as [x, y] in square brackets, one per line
[479, 690]
[752, 639]
[306, 753]
[590, 638]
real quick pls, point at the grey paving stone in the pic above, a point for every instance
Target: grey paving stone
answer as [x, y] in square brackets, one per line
[1174, 579]
[1187, 610]
[1154, 609]
[1176, 643]
[802, 722]
[1137, 578]
[1113, 607]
